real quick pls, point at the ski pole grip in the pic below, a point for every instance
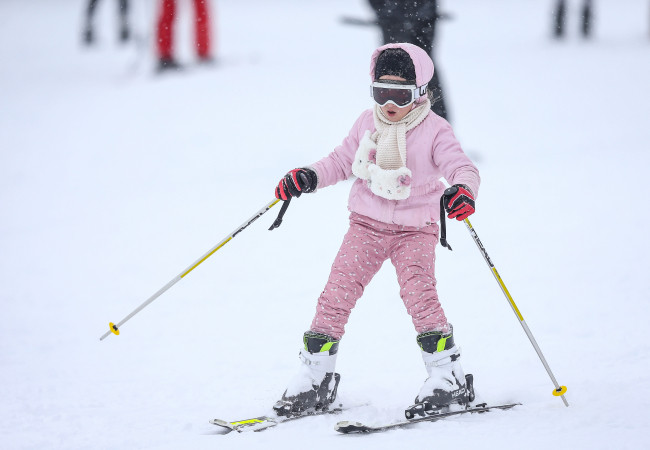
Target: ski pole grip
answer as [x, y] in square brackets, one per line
[451, 190]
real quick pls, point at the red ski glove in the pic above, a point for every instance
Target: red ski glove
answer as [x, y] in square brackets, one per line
[459, 202]
[295, 182]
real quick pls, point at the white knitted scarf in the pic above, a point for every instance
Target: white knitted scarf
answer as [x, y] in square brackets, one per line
[381, 157]
[391, 136]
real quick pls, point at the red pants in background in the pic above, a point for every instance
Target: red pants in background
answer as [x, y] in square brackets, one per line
[166, 28]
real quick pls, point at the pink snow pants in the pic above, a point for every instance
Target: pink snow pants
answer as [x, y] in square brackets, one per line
[366, 245]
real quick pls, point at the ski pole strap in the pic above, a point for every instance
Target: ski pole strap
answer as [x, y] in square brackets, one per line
[283, 209]
[443, 225]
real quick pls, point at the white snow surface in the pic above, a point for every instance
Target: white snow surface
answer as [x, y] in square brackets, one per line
[113, 180]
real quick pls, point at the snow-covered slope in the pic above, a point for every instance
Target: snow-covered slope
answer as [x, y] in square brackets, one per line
[113, 180]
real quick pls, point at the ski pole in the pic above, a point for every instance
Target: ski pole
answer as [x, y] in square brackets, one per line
[559, 390]
[115, 328]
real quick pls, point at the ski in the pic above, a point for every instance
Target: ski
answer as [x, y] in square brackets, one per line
[347, 427]
[263, 422]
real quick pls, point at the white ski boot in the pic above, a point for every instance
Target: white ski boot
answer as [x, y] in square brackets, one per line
[314, 387]
[447, 385]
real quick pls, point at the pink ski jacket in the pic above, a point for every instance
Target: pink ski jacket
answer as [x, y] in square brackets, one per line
[432, 152]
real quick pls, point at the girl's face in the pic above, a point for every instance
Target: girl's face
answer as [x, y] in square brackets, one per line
[394, 113]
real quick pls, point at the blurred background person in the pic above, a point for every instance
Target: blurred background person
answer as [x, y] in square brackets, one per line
[89, 36]
[559, 18]
[413, 21]
[165, 45]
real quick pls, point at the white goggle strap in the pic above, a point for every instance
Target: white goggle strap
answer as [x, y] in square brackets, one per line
[421, 91]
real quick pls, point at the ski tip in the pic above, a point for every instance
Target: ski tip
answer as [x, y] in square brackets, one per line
[347, 427]
[344, 423]
[225, 426]
[255, 424]
[221, 423]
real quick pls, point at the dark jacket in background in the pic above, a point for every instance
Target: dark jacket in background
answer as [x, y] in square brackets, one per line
[412, 21]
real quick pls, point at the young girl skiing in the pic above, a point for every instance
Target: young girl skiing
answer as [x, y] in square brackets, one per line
[398, 150]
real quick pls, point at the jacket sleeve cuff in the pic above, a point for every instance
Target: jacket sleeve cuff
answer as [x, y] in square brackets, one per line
[313, 169]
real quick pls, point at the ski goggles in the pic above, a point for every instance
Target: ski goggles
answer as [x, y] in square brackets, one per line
[394, 92]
